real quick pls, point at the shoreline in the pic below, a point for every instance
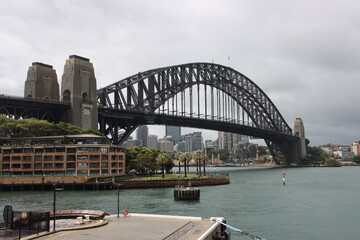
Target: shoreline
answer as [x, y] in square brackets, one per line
[126, 184]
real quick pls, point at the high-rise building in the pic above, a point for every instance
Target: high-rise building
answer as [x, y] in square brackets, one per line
[132, 143]
[142, 134]
[152, 141]
[180, 147]
[193, 142]
[174, 132]
[166, 145]
[230, 140]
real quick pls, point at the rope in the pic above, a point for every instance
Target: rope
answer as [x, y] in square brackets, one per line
[240, 231]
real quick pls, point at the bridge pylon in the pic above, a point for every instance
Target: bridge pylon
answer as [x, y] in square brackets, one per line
[78, 86]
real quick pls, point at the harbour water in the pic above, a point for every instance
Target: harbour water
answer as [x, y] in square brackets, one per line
[315, 203]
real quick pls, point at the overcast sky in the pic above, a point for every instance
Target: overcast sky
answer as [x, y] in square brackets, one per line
[305, 55]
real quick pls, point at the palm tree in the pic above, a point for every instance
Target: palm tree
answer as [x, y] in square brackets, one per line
[162, 160]
[197, 156]
[178, 158]
[186, 158]
[204, 158]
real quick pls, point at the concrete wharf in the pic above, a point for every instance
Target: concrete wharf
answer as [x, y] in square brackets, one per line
[137, 226]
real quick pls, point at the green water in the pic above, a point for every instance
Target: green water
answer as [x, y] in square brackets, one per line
[315, 203]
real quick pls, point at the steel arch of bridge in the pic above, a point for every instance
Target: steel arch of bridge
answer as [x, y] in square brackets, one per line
[202, 95]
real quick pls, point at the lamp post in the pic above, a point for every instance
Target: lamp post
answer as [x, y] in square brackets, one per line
[118, 200]
[54, 203]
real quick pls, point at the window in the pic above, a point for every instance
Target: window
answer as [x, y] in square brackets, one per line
[84, 98]
[48, 165]
[94, 165]
[71, 150]
[18, 150]
[59, 165]
[39, 150]
[48, 158]
[60, 150]
[70, 165]
[28, 150]
[49, 150]
[82, 157]
[82, 165]
[38, 158]
[26, 166]
[94, 157]
[26, 158]
[59, 158]
[37, 166]
[66, 95]
[6, 151]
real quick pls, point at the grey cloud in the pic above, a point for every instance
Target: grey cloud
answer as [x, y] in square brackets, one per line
[303, 54]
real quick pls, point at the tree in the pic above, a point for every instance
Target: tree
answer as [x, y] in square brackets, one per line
[163, 160]
[178, 158]
[145, 163]
[36, 128]
[356, 159]
[186, 158]
[132, 153]
[332, 162]
[204, 158]
[199, 157]
[315, 155]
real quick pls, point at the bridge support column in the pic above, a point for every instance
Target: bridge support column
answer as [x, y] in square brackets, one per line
[78, 86]
[41, 82]
[299, 131]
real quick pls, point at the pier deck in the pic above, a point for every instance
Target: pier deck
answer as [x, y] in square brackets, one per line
[143, 227]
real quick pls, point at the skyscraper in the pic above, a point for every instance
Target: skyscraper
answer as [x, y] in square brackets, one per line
[193, 142]
[152, 141]
[142, 134]
[230, 140]
[174, 132]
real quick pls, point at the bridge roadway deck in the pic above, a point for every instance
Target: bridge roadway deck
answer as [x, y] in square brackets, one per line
[139, 227]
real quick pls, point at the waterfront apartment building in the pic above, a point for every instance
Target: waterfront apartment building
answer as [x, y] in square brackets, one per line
[71, 155]
[355, 148]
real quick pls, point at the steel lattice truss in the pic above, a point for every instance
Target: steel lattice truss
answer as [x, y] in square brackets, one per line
[202, 93]
[22, 108]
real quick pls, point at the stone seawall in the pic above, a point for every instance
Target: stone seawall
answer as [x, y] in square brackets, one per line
[174, 182]
[42, 180]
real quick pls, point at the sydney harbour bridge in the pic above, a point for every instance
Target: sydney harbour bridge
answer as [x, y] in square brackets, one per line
[198, 95]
